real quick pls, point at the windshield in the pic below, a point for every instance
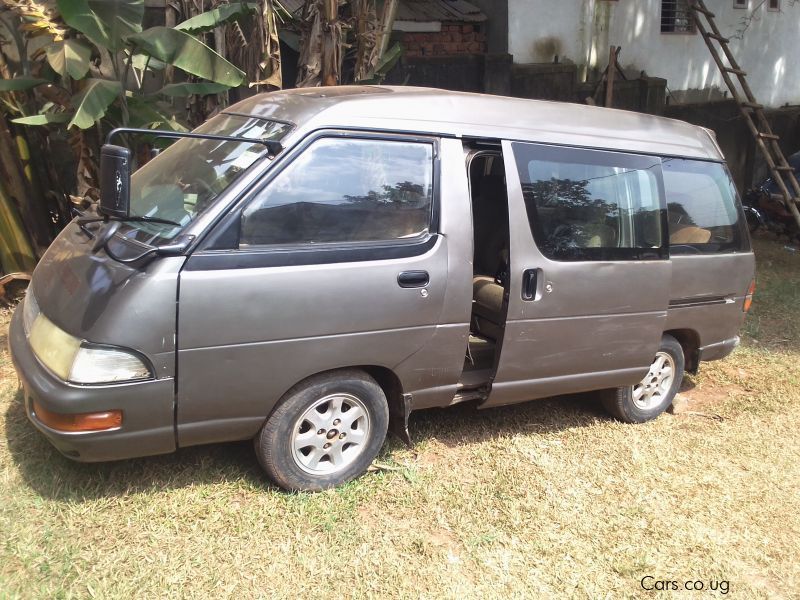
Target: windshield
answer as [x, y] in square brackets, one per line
[184, 180]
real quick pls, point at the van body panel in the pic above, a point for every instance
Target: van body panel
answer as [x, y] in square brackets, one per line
[102, 301]
[707, 295]
[590, 323]
[512, 392]
[148, 409]
[226, 393]
[248, 335]
[431, 376]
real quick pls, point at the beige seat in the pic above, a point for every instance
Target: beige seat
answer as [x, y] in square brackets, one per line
[690, 235]
[595, 235]
[487, 306]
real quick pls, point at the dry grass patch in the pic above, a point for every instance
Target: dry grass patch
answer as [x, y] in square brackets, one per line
[546, 499]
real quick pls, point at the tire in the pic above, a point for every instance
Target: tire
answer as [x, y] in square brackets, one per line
[311, 431]
[654, 394]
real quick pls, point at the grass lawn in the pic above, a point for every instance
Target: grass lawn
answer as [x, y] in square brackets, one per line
[546, 499]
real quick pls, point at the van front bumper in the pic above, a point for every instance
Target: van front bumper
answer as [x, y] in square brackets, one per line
[147, 408]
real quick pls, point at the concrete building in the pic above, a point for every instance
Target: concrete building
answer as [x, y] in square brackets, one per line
[659, 38]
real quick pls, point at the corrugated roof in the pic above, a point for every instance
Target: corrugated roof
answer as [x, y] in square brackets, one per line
[438, 10]
[292, 6]
[421, 10]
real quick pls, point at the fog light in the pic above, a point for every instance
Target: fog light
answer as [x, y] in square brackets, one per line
[95, 421]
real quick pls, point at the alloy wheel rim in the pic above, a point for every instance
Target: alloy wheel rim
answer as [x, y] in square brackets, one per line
[331, 434]
[655, 387]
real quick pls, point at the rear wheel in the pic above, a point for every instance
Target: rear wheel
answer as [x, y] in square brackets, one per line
[324, 432]
[653, 394]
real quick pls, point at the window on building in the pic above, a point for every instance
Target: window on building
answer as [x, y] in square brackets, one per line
[740, 3]
[703, 211]
[676, 17]
[774, 5]
[591, 205]
[345, 190]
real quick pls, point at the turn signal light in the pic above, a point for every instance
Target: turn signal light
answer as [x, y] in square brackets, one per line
[748, 299]
[96, 421]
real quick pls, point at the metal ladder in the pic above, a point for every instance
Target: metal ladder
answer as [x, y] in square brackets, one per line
[752, 111]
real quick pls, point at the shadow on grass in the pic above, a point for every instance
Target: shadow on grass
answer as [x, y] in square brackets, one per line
[468, 424]
[53, 476]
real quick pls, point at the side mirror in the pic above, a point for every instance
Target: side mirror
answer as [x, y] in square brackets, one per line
[115, 181]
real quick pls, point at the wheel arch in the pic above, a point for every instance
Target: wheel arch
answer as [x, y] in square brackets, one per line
[398, 402]
[689, 340]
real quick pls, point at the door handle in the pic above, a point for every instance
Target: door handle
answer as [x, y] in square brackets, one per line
[413, 279]
[529, 280]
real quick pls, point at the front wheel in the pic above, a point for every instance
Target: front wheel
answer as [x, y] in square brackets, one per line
[324, 432]
[653, 394]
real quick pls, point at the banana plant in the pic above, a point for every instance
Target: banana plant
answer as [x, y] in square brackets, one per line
[100, 58]
[79, 70]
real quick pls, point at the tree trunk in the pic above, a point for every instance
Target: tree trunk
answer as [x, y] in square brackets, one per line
[320, 61]
[21, 184]
[271, 65]
[366, 34]
[16, 253]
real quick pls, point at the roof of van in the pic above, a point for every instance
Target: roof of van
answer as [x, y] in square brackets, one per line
[429, 110]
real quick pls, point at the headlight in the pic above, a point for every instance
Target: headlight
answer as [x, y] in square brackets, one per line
[106, 365]
[72, 360]
[54, 347]
[30, 310]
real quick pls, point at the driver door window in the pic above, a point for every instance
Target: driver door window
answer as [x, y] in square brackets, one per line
[344, 190]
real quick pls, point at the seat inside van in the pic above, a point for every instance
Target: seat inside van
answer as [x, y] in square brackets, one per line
[490, 282]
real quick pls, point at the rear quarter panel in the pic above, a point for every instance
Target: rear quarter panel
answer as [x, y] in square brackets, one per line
[697, 281]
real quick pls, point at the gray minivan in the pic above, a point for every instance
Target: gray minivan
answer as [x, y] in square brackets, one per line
[311, 265]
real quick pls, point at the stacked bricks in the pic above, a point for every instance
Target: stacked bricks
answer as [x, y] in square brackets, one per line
[453, 39]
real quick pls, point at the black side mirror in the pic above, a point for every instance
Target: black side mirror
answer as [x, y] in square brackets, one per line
[115, 181]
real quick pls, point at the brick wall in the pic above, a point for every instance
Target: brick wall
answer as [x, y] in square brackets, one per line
[454, 39]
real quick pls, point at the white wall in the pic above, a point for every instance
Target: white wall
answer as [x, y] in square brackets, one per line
[583, 29]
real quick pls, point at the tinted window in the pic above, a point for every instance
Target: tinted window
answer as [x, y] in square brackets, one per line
[345, 190]
[702, 208]
[586, 204]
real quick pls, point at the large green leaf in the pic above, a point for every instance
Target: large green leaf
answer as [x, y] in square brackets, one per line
[18, 84]
[140, 61]
[43, 119]
[105, 22]
[186, 52]
[187, 89]
[151, 114]
[213, 18]
[94, 101]
[69, 58]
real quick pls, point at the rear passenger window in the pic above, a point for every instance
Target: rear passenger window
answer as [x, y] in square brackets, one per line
[345, 190]
[703, 211]
[592, 205]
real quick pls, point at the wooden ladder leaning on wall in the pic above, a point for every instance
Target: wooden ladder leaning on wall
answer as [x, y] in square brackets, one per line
[752, 111]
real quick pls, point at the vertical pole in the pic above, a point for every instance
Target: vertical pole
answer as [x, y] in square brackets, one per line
[610, 73]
